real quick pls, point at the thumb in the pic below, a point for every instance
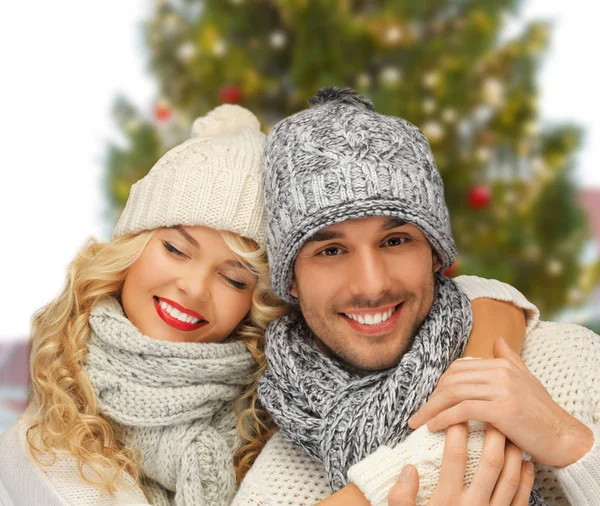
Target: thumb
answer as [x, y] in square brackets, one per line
[503, 350]
[404, 492]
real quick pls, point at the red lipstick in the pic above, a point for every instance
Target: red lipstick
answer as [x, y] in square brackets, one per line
[174, 322]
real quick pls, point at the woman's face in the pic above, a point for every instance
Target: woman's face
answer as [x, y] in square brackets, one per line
[187, 286]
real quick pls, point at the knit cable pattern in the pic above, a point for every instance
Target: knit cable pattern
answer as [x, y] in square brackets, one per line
[176, 403]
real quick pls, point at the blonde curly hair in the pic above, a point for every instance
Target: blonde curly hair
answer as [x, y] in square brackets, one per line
[67, 418]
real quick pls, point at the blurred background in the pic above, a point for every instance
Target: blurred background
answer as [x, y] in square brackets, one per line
[506, 91]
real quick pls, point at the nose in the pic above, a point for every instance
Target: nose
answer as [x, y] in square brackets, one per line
[368, 274]
[195, 282]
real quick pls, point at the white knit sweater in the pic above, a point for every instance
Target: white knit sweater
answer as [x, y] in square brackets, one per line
[280, 471]
[565, 358]
[24, 483]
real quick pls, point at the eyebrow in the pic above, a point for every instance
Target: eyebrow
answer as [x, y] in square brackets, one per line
[328, 235]
[187, 236]
[324, 235]
[236, 263]
[393, 223]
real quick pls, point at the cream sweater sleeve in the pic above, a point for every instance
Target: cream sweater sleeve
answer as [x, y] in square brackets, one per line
[376, 474]
[479, 288]
[581, 480]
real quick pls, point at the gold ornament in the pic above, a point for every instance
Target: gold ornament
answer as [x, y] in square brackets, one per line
[493, 92]
[449, 115]
[363, 80]
[219, 48]
[433, 131]
[390, 76]
[278, 39]
[431, 79]
[393, 35]
[483, 154]
[429, 105]
[554, 267]
[186, 51]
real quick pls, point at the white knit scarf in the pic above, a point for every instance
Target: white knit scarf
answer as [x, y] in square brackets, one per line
[175, 401]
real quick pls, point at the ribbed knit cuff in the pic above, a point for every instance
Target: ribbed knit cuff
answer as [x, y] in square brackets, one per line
[581, 480]
[475, 287]
[377, 474]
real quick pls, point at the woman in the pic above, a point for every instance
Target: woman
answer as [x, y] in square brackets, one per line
[144, 368]
[137, 364]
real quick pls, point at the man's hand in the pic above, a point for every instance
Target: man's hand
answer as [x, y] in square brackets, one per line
[501, 479]
[504, 393]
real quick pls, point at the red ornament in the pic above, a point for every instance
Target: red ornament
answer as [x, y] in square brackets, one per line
[488, 138]
[162, 113]
[452, 270]
[479, 196]
[230, 95]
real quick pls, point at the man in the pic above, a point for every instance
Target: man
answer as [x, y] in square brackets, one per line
[358, 237]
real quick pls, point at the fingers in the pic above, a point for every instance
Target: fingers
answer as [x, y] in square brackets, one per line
[454, 459]
[404, 492]
[489, 468]
[510, 477]
[454, 384]
[452, 395]
[472, 376]
[503, 350]
[462, 412]
[525, 486]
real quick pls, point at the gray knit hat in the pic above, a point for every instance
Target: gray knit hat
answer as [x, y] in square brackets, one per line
[340, 160]
[212, 179]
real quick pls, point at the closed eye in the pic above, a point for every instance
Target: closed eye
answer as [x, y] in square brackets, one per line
[172, 249]
[236, 284]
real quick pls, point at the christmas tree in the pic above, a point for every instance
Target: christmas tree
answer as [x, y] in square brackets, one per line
[441, 64]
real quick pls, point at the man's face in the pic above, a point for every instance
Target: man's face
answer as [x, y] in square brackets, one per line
[364, 287]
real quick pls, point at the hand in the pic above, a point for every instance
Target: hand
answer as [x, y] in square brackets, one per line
[501, 479]
[504, 393]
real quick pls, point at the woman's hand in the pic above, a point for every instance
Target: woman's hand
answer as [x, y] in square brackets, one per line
[501, 479]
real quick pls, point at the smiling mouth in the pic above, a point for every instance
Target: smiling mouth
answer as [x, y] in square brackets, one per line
[177, 316]
[373, 321]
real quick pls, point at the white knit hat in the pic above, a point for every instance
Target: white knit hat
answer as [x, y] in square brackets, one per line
[212, 179]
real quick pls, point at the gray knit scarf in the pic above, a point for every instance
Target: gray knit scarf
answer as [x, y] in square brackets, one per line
[175, 401]
[339, 417]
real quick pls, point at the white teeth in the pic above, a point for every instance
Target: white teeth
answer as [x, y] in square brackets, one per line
[371, 319]
[175, 313]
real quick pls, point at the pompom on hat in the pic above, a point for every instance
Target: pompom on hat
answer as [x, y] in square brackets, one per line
[212, 179]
